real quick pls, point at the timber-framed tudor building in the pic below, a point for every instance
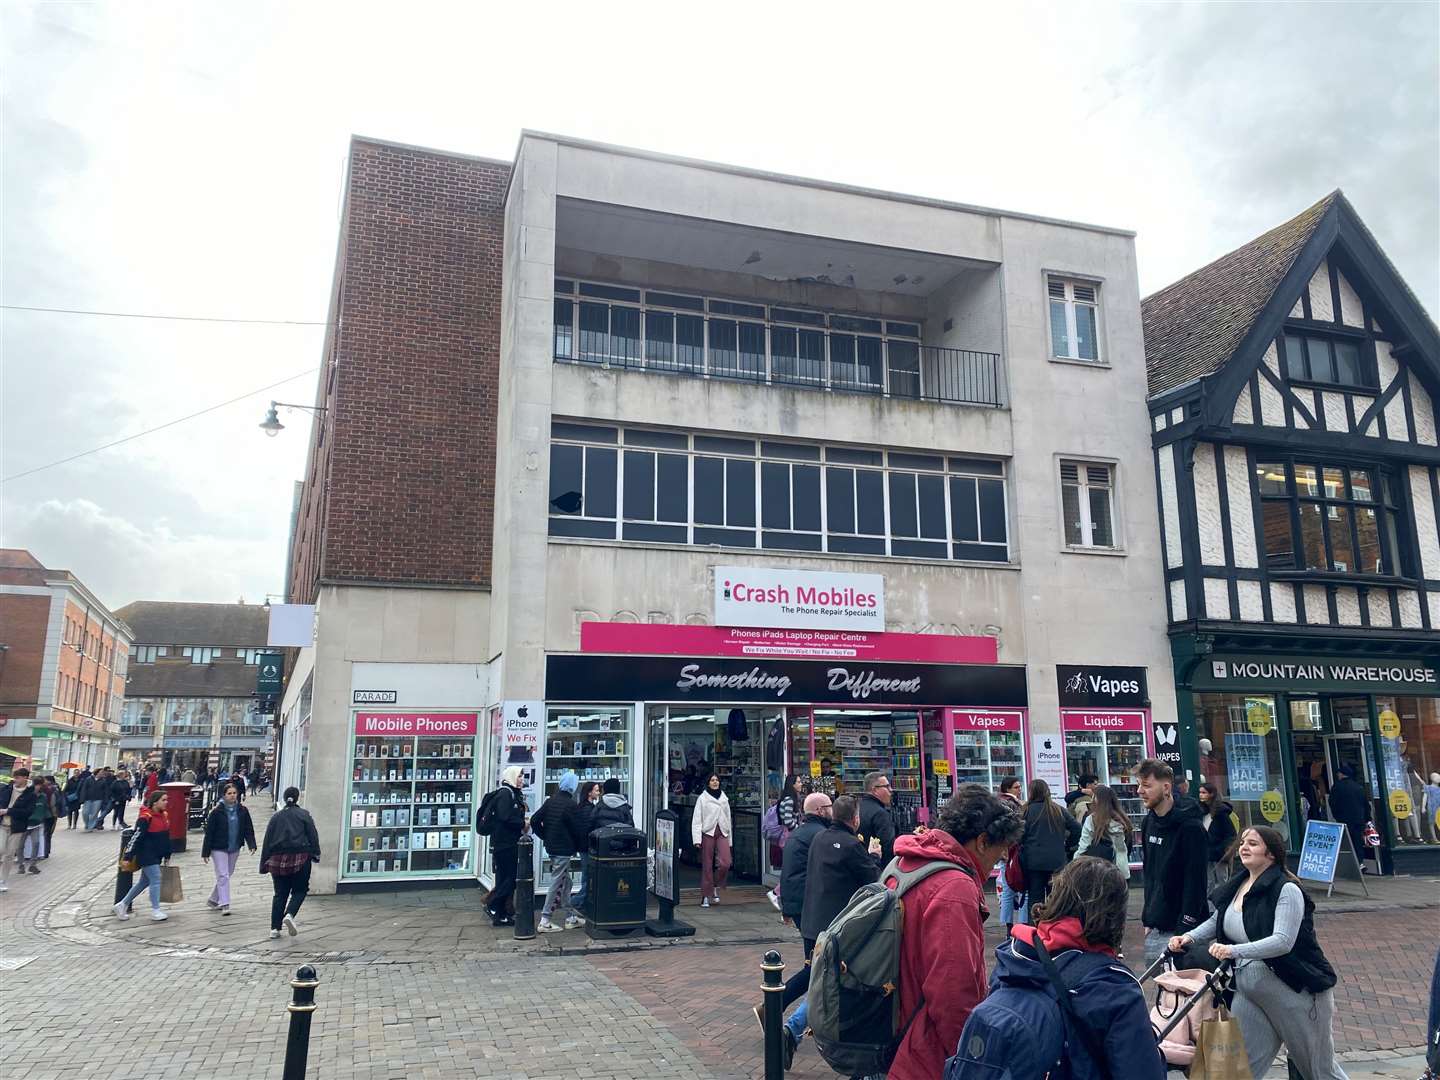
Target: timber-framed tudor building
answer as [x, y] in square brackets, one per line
[1292, 400]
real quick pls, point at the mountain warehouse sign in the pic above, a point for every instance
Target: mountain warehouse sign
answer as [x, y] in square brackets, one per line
[1317, 673]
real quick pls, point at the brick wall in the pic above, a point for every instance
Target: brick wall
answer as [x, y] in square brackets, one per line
[399, 486]
[24, 620]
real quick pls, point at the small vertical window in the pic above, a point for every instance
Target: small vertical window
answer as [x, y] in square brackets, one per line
[1074, 319]
[1087, 498]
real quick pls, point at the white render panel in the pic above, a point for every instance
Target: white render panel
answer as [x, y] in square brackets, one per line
[1361, 403]
[1272, 405]
[1424, 412]
[1160, 421]
[1282, 602]
[1409, 601]
[1244, 412]
[1426, 527]
[1434, 598]
[1170, 507]
[1242, 514]
[1386, 365]
[1372, 429]
[1298, 311]
[1396, 426]
[1252, 603]
[1352, 312]
[1177, 414]
[1379, 603]
[1347, 606]
[1178, 612]
[1207, 507]
[1272, 359]
[1335, 416]
[1217, 599]
[1321, 307]
[1317, 608]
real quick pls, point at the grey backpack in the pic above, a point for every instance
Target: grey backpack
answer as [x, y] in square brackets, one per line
[854, 994]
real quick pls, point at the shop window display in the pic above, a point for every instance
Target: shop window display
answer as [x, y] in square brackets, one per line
[1240, 753]
[410, 804]
[1410, 752]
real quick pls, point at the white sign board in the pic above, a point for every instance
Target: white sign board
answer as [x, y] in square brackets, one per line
[521, 726]
[1047, 757]
[292, 626]
[813, 599]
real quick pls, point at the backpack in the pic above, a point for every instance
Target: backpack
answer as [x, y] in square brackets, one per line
[1022, 1032]
[1014, 872]
[485, 819]
[770, 826]
[855, 975]
[1104, 848]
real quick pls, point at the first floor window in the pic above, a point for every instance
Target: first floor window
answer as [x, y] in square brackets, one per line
[1087, 497]
[1341, 519]
[1074, 319]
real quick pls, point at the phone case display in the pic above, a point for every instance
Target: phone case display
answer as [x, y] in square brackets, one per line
[411, 801]
[594, 742]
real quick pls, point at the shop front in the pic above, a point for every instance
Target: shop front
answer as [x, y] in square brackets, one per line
[752, 717]
[1275, 730]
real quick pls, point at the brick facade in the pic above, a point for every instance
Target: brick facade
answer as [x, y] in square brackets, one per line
[399, 486]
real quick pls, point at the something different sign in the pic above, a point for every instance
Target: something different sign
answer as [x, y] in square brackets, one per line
[663, 678]
[670, 639]
[817, 599]
[1320, 853]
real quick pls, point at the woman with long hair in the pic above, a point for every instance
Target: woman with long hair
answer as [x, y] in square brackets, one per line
[149, 847]
[710, 831]
[1107, 830]
[1051, 834]
[1284, 985]
[1219, 834]
[1013, 905]
[585, 817]
[787, 809]
[291, 844]
[226, 829]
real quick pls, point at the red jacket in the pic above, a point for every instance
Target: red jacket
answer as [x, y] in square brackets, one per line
[942, 954]
[152, 781]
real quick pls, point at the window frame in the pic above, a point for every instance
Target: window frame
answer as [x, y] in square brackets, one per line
[828, 462]
[1087, 525]
[1368, 373]
[1387, 500]
[1070, 301]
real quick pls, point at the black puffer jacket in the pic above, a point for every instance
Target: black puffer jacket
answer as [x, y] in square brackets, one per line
[1046, 845]
[1220, 833]
[217, 830]
[796, 862]
[290, 830]
[557, 823]
[612, 809]
[836, 866]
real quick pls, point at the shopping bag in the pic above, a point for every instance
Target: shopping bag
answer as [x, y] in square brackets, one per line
[170, 889]
[1220, 1050]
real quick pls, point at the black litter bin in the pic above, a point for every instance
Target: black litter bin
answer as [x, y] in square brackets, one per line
[615, 897]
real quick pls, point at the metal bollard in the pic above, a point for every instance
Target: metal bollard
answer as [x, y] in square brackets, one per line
[773, 983]
[525, 889]
[301, 1009]
[123, 879]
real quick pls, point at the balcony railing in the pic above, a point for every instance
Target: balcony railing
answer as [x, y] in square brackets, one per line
[244, 730]
[191, 730]
[137, 729]
[809, 359]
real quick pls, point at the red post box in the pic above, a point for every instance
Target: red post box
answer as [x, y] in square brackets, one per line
[177, 810]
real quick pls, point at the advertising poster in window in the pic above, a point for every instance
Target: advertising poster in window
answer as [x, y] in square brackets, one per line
[665, 859]
[1245, 759]
[520, 728]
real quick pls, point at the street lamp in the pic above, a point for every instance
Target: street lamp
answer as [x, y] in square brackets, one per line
[272, 426]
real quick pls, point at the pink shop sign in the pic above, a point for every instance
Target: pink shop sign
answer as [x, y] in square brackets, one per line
[669, 639]
[1103, 719]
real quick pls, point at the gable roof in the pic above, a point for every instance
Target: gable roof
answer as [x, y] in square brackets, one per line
[157, 622]
[1195, 325]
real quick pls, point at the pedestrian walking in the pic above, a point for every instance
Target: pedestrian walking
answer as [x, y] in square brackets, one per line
[795, 861]
[1078, 801]
[238, 779]
[1014, 906]
[291, 845]
[1051, 835]
[711, 829]
[149, 847]
[558, 824]
[227, 827]
[787, 817]
[942, 949]
[188, 776]
[119, 796]
[1284, 985]
[72, 798]
[58, 809]
[1176, 861]
[585, 804]
[152, 778]
[94, 798]
[1107, 831]
[875, 817]
[44, 812]
[1350, 804]
[1079, 927]
[507, 822]
[1219, 834]
[613, 808]
[17, 804]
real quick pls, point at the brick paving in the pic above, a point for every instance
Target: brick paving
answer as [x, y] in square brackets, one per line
[418, 984]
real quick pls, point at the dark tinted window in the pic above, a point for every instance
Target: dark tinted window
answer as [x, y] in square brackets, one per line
[775, 496]
[870, 502]
[600, 470]
[710, 490]
[932, 507]
[992, 511]
[964, 512]
[565, 480]
[806, 483]
[639, 485]
[903, 520]
[672, 488]
[740, 493]
[840, 499]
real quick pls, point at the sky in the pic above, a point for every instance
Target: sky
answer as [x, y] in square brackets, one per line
[188, 160]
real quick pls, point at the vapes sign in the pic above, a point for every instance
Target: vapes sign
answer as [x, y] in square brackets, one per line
[759, 596]
[1094, 686]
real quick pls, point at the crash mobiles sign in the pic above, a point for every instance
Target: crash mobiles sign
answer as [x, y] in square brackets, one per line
[812, 599]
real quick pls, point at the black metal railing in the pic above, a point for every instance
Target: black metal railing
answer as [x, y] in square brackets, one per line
[237, 730]
[840, 362]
